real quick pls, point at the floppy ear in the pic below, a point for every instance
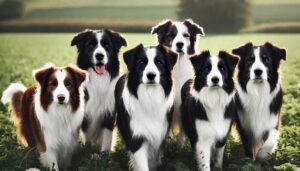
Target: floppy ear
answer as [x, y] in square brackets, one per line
[242, 50]
[171, 56]
[80, 37]
[230, 59]
[117, 37]
[79, 75]
[43, 73]
[162, 27]
[129, 56]
[280, 53]
[197, 60]
[193, 27]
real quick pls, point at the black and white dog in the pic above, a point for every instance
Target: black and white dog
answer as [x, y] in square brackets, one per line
[144, 103]
[181, 37]
[259, 97]
[98, 54]
[208, 107]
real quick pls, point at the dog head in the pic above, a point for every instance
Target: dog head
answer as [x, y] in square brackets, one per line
[98, 49]
[150, 65]
[181, 37]
[259, 64]
[60, 85]
[214, 71]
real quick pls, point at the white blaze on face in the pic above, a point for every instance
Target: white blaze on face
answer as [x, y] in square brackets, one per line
[151, 68]
[180, 38]
[100, 50]
[258, 65]
[61, 89]
[214, 72]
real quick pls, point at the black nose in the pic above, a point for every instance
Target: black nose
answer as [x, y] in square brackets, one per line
[258, 72]
[151, 76]
[215, 80]
[179, 45]
[61, 98]
[99, 56]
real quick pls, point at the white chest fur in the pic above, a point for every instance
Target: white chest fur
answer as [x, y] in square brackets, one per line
[101, 94]
[148, 113]
[183, 71]
[215, 102]
[256, 102]
[59, 124]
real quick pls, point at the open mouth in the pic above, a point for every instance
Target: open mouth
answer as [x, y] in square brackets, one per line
[100, 68]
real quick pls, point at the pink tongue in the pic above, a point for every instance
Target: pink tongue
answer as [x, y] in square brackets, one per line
[100, 69]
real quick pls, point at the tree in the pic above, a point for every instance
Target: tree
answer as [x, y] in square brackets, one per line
[217, 15]
[11, 9]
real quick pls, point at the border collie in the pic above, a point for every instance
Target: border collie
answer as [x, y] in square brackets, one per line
[259, 98]
[181, 37]
[208, 107]
[49, 114]
[98, 54]
[144, 103]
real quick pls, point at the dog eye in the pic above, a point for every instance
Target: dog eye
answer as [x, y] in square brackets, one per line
[222, 68]
[68, 83]
[141, 62]
[186, 35]
[106, 44]
[158, 61]
[51, 84]
[265, 58]
[207, 68]
[251, 58]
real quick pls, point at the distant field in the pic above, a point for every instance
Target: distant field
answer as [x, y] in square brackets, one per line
[23, 52]
[140, 11]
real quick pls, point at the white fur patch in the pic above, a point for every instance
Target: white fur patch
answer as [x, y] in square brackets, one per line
[148, 119]
[61, 89]
[101, 99]
[11, 90]
[256, 115]
[181, 31]
[151, 67]
[258, 64]
[214, 72]
[100, 50]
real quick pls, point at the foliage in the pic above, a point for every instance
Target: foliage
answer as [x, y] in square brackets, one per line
[23, 52]
[11, 9]
[217, 15]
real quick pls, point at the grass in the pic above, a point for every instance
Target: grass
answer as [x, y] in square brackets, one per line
[23, 52]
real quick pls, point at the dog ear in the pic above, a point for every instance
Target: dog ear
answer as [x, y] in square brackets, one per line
[43, 73]
[280, 53]
[193, 27]
[161, 28]
[80, 37]
[171, 57]
[231, 60]
[242, 50]
[79, 75]
[117, 37]
[197, 60]
[129, 56]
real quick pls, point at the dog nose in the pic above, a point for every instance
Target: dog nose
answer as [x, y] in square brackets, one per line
[61, 97]
[215, 80]
[151, 76]
[258, 72]
[179, 45]
[99, 56]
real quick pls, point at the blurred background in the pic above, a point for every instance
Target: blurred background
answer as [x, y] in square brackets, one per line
[218, 16]
[35, 32]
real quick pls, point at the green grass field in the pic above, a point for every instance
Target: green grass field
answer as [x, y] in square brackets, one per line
[23, 52]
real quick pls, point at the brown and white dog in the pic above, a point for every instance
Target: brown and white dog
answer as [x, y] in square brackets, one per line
[48, 114]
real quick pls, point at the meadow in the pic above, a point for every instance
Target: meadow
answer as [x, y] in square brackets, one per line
[20, 53]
